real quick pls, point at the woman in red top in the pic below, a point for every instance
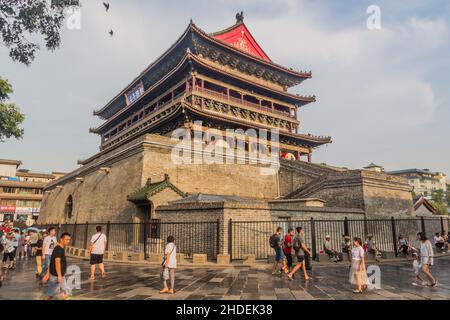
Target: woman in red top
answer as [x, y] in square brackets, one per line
[288, 247]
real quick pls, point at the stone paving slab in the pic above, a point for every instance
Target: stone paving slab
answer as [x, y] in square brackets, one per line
[199, 283]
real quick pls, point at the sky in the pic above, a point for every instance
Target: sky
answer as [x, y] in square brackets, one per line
[383, 95]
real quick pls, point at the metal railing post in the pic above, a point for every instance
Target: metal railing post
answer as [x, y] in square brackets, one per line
[145, 239]
[394, 236]
[366, 228]
[313, 239]
[346, 229]
[86, 235]
[422, 220]
[74, 237]
[108, 224]
[217, 237]
[230, 239]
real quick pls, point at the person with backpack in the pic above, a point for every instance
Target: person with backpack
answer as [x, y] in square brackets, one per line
[287, 250]
[276, 243]
[96, 249]
[300, 249]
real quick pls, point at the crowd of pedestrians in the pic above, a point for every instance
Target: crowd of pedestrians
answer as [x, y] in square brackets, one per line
[48, 252]
[291, 245]
[291, 255]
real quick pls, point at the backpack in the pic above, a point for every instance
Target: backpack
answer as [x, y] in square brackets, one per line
[273, 241]
[297, 244]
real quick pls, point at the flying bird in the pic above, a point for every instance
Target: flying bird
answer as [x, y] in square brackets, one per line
[106, 6]
[111, 33]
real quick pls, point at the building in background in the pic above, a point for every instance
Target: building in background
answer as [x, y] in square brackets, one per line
[21, 191]
[423, 207]
[423, 181]
[374, 167]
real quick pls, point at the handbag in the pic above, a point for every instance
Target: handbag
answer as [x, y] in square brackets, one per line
[165, 274]
[166, 257]
[91, 245]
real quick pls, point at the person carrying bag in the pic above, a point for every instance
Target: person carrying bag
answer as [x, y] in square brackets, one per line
[169, 265]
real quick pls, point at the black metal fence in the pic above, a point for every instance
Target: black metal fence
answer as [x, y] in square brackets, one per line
[247, 237]
[252, 237]
[150, 238]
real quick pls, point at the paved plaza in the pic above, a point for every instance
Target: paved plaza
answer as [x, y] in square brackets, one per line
[241, 283]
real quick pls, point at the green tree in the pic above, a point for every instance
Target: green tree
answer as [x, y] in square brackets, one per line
[438, 199]
[10, 116]
[21, 20]
[448, 195]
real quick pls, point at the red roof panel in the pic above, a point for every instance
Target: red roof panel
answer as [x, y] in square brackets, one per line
[240, 38]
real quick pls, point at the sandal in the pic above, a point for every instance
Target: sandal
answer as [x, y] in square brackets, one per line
[357, 291]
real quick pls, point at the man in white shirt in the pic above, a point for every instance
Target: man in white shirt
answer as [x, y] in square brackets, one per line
[9, 252]
[97, 249]
[49, 244]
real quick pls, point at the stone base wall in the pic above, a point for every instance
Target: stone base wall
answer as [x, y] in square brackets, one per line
[220, 212]
[386, 196]
[244, 180]
[102, 196]
[257, 219]
[378, 194]
[99, 188]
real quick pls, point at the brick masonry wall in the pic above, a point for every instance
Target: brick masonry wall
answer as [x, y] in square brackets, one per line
[100, 197]
[103, 196]
[291, 180]
[243, 180]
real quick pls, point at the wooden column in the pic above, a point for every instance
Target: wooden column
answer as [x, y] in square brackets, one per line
[187, 85]
[309, 157]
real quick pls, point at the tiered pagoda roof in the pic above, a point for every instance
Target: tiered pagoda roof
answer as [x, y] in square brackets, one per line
[230, 58]
[226, 48]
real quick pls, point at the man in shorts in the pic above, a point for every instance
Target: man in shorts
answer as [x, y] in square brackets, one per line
[97, 249]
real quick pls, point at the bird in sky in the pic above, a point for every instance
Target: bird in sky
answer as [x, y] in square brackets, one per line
[106, 4]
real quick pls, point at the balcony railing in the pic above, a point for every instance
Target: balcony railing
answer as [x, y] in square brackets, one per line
[234, 101]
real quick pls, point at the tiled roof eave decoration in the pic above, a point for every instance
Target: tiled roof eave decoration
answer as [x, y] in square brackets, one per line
[144, 194]
[268, 63]
[316, 141]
